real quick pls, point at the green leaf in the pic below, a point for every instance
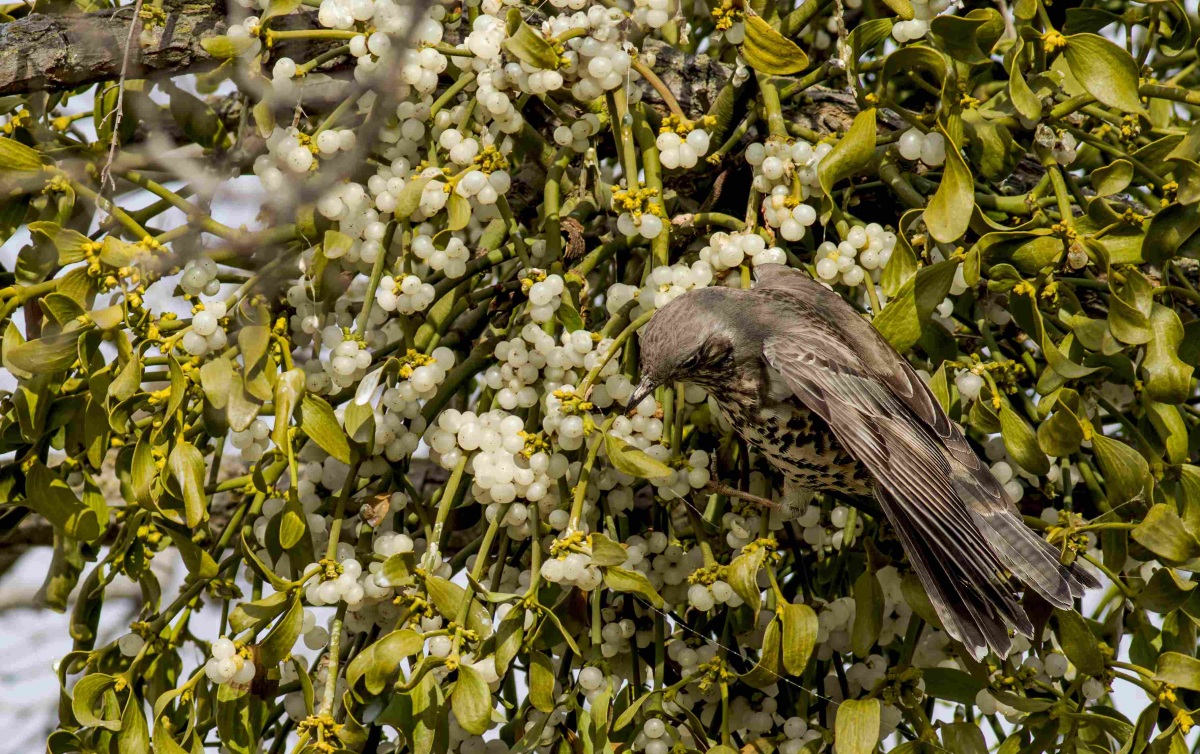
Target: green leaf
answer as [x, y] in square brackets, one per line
[134, 736]
[1038, 253]
[318, 421]
[626, 580]
[1126, 473]
[969, 38]
[458, 212]
[868, 618]
[949, 211]
[12, 339]
[902, 265]
[1112, 178]
[449, 599]
[1164, 592]
[867, 34]
[397, 568]
[939, 385]
[509, 636]
[164, 743]
[224, 47]
[1178, 670]
[216, 380]
[856, 728]
[94, 694]
[541, 682]
[143, 472]
[261, 569]
[196, 560]
[1060, 362]
[799, 636]
[258, 614]
[186, 463]
[379, 662]
[289, 388]
[742, 575]
[1061, 434]
[902, 320]
[1105, 70]
[902, 8]
[56, 502]
[200, 123]
[254, 341]
[914, 594]
[17, 157]
[69, 242]
[280, 8]
[1163, 533]
[527, 45]
[292, 524]
[952, 685]
[852, 153]
[52, 353]
[766, 671]
[1078, 643]
[1168, 378]
[471, 700]
[768, 51]
[409, 198]
[359, 419]
[1169, 229]
[606, 552]
[964, 738]
[1021, 442]
[632, 461]
[569, 316]
[283, 635]
[916, 62]
[118, 253]
[630, 712]
[1170, 427]
[1028, 104]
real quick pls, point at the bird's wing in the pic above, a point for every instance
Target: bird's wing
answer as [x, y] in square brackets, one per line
[877, 357]
[961, 571]
[814, 305]
[957, 525]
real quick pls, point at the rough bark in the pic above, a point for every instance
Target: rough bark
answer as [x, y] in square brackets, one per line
[53, 53]
[41, 52]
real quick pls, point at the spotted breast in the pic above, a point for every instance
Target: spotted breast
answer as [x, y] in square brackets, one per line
[795, 441]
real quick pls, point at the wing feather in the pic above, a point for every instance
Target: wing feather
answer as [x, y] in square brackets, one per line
[940, 495]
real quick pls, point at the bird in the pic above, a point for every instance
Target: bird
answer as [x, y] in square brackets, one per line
[813, 386]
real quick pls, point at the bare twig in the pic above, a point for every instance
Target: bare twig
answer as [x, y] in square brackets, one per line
[117, 113]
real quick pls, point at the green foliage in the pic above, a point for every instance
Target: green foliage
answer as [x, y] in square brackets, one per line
[383, 425]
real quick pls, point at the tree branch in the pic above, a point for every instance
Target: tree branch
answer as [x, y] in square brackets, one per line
[41, 52]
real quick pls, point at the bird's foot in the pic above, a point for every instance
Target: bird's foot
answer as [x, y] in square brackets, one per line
[726, 490]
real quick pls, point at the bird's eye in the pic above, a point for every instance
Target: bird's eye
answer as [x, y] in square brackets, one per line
[691, 361]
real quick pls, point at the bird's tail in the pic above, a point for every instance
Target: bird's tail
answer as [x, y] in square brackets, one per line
[1033, 560]
[970, 577]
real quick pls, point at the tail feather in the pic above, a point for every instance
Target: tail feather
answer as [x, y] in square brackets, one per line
[962, 575]
[1033, 560]
[976, 610]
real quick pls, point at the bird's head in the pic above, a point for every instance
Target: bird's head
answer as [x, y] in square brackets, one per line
[698, 338]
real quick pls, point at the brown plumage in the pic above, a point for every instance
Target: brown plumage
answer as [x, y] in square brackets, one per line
[830, 403]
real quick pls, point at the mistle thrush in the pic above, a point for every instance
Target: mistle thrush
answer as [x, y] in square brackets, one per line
[812, 385]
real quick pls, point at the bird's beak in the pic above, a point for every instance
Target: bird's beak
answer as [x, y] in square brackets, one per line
[644, 388]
